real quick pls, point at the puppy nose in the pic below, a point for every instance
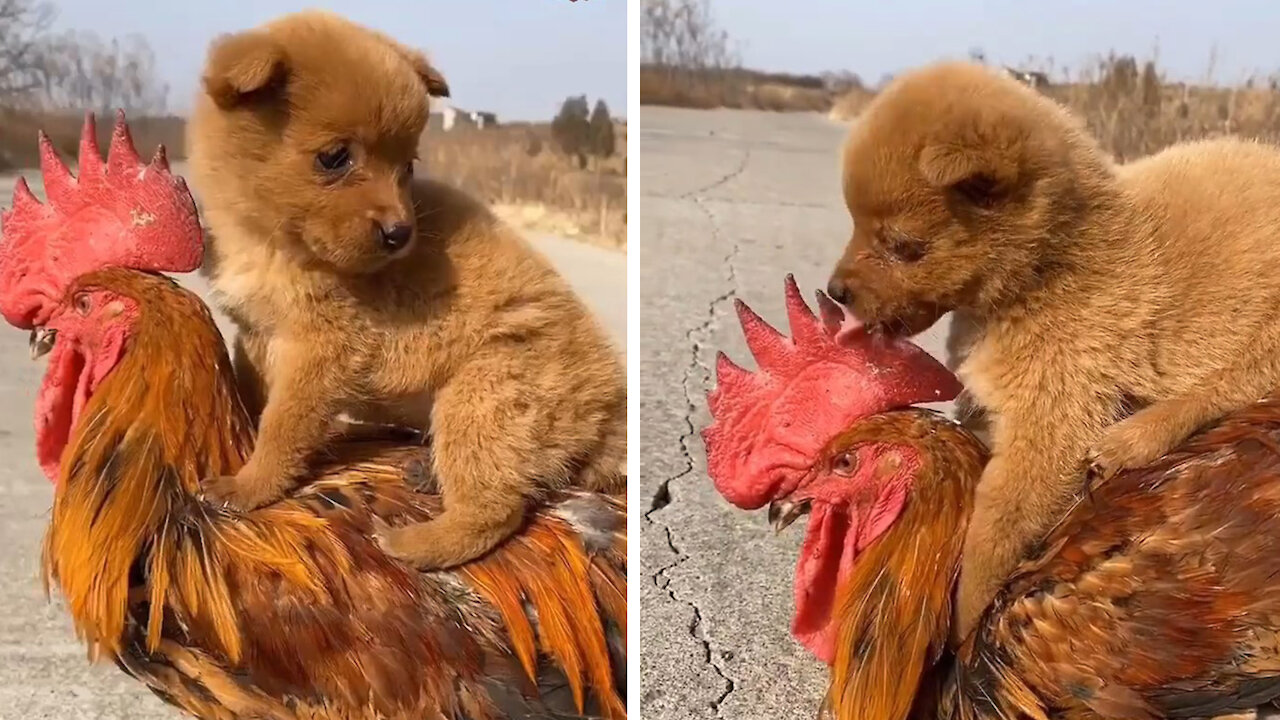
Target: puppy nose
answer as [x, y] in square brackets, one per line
[839, 291]
[395, 236]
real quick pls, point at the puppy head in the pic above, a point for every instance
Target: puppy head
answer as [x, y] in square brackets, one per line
[307, 130]
[958, 181]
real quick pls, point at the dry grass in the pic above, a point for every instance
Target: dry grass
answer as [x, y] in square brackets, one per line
[732, 88]
[848, 105]
[539, 192]
[517, 169]
[19, 130]
[1134, 110]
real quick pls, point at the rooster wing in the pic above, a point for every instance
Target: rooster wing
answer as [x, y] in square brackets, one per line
[1157, 596]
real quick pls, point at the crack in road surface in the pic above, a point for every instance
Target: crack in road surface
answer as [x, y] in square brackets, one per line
[696, 193]
[776, 203]
[695, 339]
[745, 201]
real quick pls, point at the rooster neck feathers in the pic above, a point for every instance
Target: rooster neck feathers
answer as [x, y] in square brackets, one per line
[894, 613]
[155, 426]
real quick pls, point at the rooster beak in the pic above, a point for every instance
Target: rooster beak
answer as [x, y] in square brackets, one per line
[784, 512]
[41, 342]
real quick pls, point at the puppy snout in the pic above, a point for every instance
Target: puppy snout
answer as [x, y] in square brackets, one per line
[839, 291]
[395, 236]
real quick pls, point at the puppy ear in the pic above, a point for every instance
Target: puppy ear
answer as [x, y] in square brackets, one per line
[431, 77]
[979, 170]
[242, 64]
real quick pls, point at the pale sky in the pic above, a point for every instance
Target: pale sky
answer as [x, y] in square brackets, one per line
[518, 58]
[874, 38]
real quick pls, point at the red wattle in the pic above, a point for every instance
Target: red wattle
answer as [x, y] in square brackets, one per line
[826, 557]
[56, 407]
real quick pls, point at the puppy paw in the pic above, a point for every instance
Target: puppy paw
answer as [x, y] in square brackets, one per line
[381, 532]
[243, 491]
[1134, 442]
[416, 545]
[437, 544]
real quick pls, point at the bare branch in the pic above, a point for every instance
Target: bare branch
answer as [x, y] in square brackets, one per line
[86, 73]
[24, 26]
[683, 34]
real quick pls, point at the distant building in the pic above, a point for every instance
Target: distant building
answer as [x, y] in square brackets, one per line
[1034, 78]
[483, 119]
[444, 116]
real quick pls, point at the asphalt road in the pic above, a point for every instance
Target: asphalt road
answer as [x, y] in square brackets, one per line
[731, 202]
[44, 673]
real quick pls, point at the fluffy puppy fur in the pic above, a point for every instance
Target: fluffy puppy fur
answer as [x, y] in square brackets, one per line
[361, 292]
[1104, 313]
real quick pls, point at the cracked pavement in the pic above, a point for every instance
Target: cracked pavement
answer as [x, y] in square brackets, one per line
[731, 201]
[43, 671]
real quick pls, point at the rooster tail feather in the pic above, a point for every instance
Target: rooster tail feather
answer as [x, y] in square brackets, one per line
[559, 602]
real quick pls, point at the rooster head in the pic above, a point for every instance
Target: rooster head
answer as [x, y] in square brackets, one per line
[121, 213]
[775, 438]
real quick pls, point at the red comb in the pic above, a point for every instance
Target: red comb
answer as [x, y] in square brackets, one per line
[808, 389]
[121, 213]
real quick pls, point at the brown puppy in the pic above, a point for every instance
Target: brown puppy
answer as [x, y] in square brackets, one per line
[1107, 312]
[359, 291]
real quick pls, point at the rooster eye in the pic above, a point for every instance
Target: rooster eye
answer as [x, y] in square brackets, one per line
[844, 464]
[83, 303]
[334, 161]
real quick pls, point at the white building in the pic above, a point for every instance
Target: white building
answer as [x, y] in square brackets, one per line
[444, 116]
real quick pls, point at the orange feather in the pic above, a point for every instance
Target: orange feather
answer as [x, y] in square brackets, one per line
[292, 611]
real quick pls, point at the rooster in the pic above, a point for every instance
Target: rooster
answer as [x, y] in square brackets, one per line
[1155, 597]
[291, 611]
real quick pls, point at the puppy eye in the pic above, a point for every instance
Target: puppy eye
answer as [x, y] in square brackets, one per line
[903, 247]
[408, 170]
[334, 160]
[83, 303]
[844, 464]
